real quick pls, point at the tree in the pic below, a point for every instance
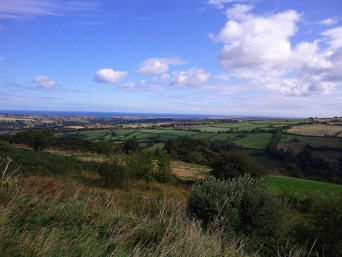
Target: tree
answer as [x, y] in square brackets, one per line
[293, 170]
[227, 165]
[196, 157]
[41, 139]
[163, 172]
[131, 145]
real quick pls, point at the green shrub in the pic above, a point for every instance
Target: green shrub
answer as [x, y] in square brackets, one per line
[114, 173]
[293, 170]
[140, 165]
[244, 205]
[227, 165]
[4, 146]
[320, 226]
[163, 173]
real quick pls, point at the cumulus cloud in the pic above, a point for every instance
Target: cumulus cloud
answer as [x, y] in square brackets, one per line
[259, 52]
[192, 77]
[158, 65]
[256, 41]
[109, 76]
[329, 22]
[22, 9]
[45, 82]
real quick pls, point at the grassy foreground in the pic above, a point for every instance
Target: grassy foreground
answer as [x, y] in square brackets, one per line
[302, 188]
[49, 216]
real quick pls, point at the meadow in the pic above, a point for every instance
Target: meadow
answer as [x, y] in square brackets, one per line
[303, 188]
[257, 141]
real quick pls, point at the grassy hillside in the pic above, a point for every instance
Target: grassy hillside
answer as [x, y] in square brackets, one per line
[303, 187]
[49, 216]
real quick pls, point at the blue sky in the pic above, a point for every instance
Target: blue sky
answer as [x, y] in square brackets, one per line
[267, 57]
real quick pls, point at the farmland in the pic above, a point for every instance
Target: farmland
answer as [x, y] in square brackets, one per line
[257, 141]
[289, 141]
[252, 136]
[143, 164]
[316, 130]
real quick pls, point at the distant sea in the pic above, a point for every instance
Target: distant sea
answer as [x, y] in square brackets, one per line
[111, 114]
[131, 114]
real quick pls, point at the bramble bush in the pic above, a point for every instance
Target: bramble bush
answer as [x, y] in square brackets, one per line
[244, 205]
[320, 225]
[163, 172]
[114, 173]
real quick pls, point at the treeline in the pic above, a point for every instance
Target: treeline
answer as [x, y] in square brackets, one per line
[303, 164]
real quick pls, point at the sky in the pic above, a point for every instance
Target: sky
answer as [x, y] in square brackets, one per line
[224, 57]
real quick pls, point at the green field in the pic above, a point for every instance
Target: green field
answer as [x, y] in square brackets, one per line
[268, 163]
[327, 156]
[302, 188]
[244, 125]
[204, 136]
[153, 148]
[257, 141]
[287, 142]
[91, 134]
[171, 132]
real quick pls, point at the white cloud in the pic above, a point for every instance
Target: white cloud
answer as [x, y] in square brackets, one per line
[219, 3]
[45, 82]
[109, 76]
[158, 65]
[256, 41]
[334, 37]
[329, 22]
[192, 77]
[142, 86]
[258, 51]
[2, 58]
[161, 78]
[21, 9]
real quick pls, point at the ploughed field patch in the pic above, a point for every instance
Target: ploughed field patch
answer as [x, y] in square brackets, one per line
[316, 130]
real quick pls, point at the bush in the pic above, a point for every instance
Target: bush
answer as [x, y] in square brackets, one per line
[114, 173]
[4, 146]
[229, 165]
[293, 170]
[131, 145]
[163, 173]
[321, 225]
[140, 165]
[244, 205]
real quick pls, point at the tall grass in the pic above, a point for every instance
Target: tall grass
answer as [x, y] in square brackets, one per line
[44, 216]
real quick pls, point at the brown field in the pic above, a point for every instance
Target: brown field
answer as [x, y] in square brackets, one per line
[74, 127]
[186, 170]
[296, 148]
[315, 130]
[2, 118]
[99, 126]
